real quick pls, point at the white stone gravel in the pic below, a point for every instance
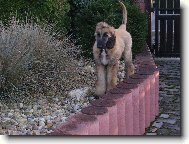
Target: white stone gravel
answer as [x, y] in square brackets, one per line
[41, 117]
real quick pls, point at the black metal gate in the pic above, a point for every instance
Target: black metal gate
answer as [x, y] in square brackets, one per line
[167, 28]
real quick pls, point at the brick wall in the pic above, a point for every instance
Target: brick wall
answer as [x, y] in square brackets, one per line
[125, 110]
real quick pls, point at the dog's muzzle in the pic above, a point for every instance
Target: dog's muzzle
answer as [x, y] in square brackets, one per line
[101, 44]
[103, 49]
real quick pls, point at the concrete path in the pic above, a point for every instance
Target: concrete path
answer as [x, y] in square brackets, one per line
[168, 122]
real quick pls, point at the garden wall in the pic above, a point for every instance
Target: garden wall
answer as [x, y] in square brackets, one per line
[125, 110]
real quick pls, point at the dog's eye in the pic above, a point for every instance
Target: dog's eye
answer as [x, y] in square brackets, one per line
[105, 34]
[98, 34]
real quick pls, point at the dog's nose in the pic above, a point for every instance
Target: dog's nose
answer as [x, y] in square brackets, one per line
[99, 46]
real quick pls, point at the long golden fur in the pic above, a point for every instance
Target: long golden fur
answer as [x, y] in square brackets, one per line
[108, 48]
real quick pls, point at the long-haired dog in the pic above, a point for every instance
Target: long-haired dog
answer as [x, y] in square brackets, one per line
[108, 48]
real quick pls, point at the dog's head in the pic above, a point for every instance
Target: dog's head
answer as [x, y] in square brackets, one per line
[105, 36]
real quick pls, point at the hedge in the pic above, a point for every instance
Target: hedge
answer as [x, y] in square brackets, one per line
[49, 12]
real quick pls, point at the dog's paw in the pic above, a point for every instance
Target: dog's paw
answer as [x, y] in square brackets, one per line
[99, 92]
[130, 70]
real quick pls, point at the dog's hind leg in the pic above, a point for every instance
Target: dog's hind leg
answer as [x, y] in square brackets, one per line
[129, 69]
[101, 80]
[127, 55]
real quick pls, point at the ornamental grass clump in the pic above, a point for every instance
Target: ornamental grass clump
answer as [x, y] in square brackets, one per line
[33, 63]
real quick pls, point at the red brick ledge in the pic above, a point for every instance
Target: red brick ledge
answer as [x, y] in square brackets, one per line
[125, 110]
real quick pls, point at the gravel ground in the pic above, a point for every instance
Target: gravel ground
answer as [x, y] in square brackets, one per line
[44, 114]
[168, 122]
[41, 117]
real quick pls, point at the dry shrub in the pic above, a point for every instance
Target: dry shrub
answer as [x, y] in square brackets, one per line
[34, 63]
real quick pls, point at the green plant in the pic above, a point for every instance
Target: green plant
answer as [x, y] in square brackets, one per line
[49, 12]
[94, 11]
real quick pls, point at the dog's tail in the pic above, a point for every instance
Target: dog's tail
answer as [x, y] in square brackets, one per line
[124, 21]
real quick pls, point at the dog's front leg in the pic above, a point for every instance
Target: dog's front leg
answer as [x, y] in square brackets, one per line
[112, 70]
[101, 80]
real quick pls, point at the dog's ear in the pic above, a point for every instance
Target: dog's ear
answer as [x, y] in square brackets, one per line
[111, 42]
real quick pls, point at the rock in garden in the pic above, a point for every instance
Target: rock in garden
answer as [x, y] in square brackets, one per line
[63, 119]
[21, 105]
[23, 115]
[48, 117]
[49, 124]
[41, 123]
[90, 69]
[79, 93]
[76, 107]
[31, 111]
[7, 119]
[10, 114]
[34, 127]
[16, 110]
[40, 127]
[42, 119]
[35, 108]
[49, 131]
[56, 99]
[36, 132]
[121, 75]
